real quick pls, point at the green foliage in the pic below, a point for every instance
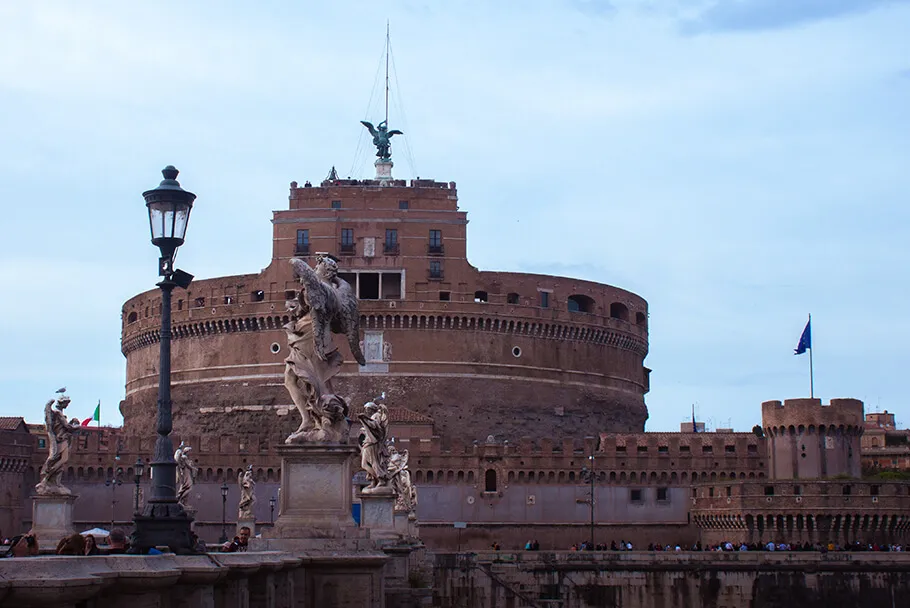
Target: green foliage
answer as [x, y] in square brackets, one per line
[888, 476]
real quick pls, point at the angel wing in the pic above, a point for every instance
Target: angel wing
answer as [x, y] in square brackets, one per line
[369, 126]
[394, 132]
[313, 287]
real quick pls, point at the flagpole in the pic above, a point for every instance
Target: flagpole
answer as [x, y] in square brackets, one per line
[811, 370]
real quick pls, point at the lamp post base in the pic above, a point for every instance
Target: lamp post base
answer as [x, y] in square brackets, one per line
[162, 524]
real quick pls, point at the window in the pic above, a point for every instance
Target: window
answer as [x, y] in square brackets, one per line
[873, 490]
[710, 492]
[132, 317]
[621, 449]
[303, 242]
[619, 311]
[228, 299]
[769, 490]
[544, 299]
[730, 449]
[391, 241]
[258, 296]
[336, 204]
[199, 302]
[662, 449]
[684, 449]
[444, 296]
[42, 443]
[403, 205]
[694, 493]
[752, 449]
[642, 448]
[435, 245]
[489, 480]
[435, 270]
[797, 490]
[580, 303]
[662, 495]
[707, 449]
[347, 240]
[290, 294]
[635, 495]
[481, 296]
[729, 491]
[848, 490]
[512, 298]
[180, 304]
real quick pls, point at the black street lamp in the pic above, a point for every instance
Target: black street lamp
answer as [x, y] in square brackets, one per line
[139, 469]
[163, 521]
[224, 493]
[112, 483]
[590, 475]
[272, 502]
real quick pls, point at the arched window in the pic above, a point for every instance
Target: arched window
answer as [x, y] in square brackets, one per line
[512, 298]
[489, 480]
[641, 319]
[618, 310]
[580, 303]
[132, 317]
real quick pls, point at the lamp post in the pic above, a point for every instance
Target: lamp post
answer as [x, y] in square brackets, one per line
[112, 483]
[590, 475]
[163, 521]
[138, 470]
[272, 502]
[224, 493]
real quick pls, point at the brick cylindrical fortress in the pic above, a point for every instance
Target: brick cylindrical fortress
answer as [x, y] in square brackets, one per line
[807, 440]
[481, 353]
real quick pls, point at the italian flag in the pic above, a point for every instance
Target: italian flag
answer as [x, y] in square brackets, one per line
[95, 417]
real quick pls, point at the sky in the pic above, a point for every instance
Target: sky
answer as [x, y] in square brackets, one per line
[738, 163]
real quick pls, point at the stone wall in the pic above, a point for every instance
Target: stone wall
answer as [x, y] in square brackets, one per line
[677, 580]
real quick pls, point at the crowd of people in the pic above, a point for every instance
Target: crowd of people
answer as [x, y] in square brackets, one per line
[731, 546]
[26, 545]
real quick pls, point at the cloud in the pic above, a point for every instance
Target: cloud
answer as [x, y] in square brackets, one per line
[758, 15]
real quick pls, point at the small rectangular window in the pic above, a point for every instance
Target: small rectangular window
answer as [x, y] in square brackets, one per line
[303, 237]
[663, 449]
[290, 294]
[258, 296]
[729, 491]
[635, 495]
[662, 495]
[228, 299]
[199, 302]
[797, 490]
[336, 204]
[621, 449]
[642, 448]
[42, 443]
[707, 449]
[684, 449]
[710, 492]
[403, 204]
[435, 270]
[752, 449]
[873, 490]
[435, 238]
[391, 241]
[769, 490]
[847, 490]
[347, 236]
[544, 299]
[444, 296]
[730, 449]
[179, 304]
[694, 493]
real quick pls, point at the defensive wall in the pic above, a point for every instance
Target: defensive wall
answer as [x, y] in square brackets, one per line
[476, 351]
[672, 580]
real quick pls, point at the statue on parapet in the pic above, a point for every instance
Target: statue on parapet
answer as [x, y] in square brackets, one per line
[325, 304]
[247, 498]
[186, 473]
[374, 452]
[59, 437]
[381, 138]
[400, 478]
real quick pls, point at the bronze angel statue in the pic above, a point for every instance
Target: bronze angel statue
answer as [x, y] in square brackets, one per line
[325, 304]
[381, 138]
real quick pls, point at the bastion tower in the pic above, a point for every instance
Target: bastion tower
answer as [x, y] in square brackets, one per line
[475, 352]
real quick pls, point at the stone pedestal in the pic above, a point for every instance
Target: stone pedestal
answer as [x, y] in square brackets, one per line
[315, 498]
[52, 518]
[401, 523]
[383, 169]
[377, 514]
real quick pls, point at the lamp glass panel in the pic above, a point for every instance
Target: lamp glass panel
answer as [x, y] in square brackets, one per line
[181, 218]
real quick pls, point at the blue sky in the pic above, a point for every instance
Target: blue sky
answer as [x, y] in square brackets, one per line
[739, 164]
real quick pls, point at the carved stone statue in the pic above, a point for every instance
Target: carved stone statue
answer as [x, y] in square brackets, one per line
[186, 473]
[400, 477]
[247, 499]
[59, 436]
[374, 453]
[381, 136]
[325, 304]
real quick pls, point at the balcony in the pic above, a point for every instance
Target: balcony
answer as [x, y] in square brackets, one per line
[300, 249]
[390, 249]
[435, 250]
[346, 248]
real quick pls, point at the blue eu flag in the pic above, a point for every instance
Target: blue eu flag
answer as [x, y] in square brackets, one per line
[805, 340]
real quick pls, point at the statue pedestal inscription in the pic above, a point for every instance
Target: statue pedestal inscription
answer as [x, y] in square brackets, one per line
[378, 514]
[52, 517]
[383, 169]
[315, 499]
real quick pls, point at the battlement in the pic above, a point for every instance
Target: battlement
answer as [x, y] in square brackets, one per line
[361, 183]
[798, 415]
